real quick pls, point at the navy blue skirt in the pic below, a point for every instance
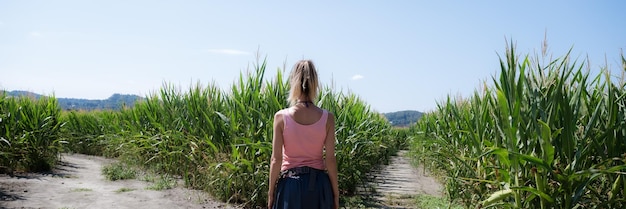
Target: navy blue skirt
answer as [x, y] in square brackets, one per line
[303, 191]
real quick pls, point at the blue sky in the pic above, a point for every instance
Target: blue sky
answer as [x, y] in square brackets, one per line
[396, 55]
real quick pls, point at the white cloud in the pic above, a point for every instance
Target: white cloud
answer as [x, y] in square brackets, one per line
[357, 77]
[35, 34]
[228, 51]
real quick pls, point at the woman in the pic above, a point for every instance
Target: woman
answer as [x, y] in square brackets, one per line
[303, 168]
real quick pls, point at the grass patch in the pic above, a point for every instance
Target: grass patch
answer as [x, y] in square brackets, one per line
[124, 189]
[82, 190]
[399, 200]
[353, 202]
[118, 171]
[428, 201]
[162, 182]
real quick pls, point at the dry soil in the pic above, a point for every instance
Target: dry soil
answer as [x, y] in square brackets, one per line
[77, 182]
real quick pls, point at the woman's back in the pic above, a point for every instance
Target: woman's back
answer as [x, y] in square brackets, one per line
[304, 135]
[306, 116]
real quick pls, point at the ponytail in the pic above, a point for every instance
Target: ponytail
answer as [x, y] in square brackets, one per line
[303, 81]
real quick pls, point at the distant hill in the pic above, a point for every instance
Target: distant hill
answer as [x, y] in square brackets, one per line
[403, 118]
[115, 102]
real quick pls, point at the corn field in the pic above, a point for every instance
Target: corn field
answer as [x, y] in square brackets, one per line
[220, 141]
[29, 134]
[547, 134]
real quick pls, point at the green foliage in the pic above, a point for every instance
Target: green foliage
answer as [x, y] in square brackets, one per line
[365, 138]
[220, 141]
[163, 182]
[427, 201]
[90, 132]
[29, 130]
[354, 202]
[547, 135]
[118, 171]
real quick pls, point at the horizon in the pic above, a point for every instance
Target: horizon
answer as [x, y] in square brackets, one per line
[37, 94]
[404, 55]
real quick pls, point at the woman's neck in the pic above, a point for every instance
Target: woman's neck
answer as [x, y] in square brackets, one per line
[304, 101]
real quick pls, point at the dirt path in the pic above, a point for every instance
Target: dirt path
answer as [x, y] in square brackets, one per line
[77, 183]
[396, 185]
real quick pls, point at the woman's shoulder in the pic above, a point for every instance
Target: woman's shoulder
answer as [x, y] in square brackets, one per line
[279, 116]
[330, 117]
[327, 112]
[281, 112]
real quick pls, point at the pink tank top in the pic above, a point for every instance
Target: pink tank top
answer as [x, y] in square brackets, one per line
[303, 144]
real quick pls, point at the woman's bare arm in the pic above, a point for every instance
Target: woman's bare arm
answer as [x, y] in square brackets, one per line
[277, 157]
[331, 161]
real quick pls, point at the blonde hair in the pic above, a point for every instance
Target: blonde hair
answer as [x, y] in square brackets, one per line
[303, 81]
